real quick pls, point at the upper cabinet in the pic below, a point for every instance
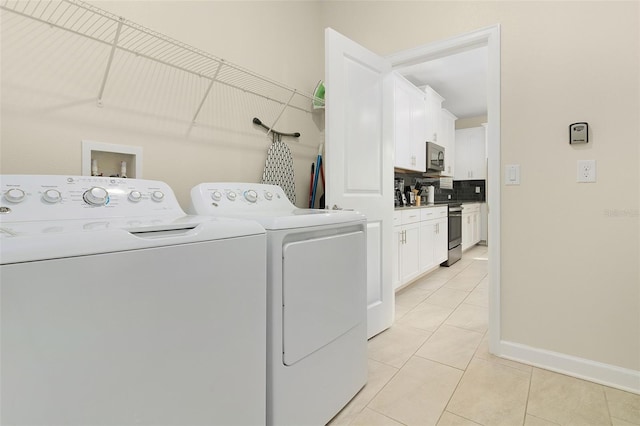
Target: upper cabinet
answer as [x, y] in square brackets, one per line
[410, 125]
[448, 141]
[434, 111]
[470, 155]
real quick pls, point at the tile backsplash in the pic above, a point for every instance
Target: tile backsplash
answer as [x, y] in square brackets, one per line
[463, 190]
[470, 190]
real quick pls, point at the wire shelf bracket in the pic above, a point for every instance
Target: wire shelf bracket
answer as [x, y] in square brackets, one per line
[106, 71]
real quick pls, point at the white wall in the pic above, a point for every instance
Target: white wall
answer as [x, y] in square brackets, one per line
[570, 278]
[51, 79]
[466, 123]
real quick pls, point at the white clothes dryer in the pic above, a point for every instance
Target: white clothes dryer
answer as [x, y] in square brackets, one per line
[316, 280]
[118, 308]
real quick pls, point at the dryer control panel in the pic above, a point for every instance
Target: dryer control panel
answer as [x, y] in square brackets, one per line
[238, 197]
[53, 197]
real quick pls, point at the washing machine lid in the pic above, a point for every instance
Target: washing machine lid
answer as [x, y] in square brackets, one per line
[42, 240]
[263, 203]
[49, 217]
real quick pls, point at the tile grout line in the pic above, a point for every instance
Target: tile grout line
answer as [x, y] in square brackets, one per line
[526, 404]
[464, 370]
[454, 392]
[380, 390]
[385, 415]
[431, 335]
[606, 400]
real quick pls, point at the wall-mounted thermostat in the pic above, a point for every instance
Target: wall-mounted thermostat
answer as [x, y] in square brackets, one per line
[579, 133]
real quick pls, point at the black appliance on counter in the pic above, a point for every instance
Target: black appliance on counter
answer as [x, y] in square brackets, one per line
[398, 188]
[455, 234]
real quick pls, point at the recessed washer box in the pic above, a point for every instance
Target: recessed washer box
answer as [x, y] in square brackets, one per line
[105, 159]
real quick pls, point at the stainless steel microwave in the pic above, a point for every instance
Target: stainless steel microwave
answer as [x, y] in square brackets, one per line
[435, 157]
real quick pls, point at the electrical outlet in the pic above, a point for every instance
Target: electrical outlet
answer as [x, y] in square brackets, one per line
[586, 171]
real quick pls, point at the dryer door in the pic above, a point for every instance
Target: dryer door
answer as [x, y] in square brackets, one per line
[324, 291]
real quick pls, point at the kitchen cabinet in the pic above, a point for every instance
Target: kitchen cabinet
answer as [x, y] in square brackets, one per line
[410, 125]
[434, 111]
[396, 279]
[470, 225]
[484, 224]
[433, 237]
[407, 246]
[470, 154]
[421, 242]
[448, 141]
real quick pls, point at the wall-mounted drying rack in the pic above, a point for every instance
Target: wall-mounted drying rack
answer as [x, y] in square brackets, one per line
[259, 122]
[120, 34]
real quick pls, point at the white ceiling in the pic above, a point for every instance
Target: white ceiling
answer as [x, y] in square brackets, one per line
[461, 79]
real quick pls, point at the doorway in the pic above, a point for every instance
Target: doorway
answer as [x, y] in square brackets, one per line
[488, 38]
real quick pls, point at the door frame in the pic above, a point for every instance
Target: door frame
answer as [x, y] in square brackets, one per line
[490, 37]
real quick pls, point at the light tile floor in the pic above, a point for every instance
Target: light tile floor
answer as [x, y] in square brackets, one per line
[433, 367]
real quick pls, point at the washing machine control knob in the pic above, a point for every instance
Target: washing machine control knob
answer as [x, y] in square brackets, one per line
[251, 196]
[157, 196]
[135, 196]
[216, 196]
[231, 196]
[96, 196]
[52, 196]
[15, 195]
[268, 196]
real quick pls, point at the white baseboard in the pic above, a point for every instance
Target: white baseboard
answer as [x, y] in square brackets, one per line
[604, 374]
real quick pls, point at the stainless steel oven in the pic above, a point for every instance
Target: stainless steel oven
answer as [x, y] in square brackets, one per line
[455, 234]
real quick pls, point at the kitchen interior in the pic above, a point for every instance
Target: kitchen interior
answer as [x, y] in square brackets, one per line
[440, 163]
[575, 364]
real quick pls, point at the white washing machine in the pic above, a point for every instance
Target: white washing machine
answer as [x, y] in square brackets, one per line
[316, 279]
[119, 309]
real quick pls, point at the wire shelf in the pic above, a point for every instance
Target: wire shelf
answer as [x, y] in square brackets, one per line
[122, 35]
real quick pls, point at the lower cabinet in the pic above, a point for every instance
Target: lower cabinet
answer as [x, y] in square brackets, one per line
[471, 224]
[410, 252]
[441, 250]
[433, 243]
[420, 242]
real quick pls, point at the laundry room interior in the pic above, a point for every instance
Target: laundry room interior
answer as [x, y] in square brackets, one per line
[285, 116]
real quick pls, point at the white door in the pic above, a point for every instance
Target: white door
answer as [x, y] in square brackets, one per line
[359, 153]
[396, 247]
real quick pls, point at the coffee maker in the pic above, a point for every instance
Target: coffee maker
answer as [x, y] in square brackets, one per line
[399, 197]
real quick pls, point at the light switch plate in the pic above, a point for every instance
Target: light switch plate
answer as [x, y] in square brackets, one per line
[512, 174]
[586, 171]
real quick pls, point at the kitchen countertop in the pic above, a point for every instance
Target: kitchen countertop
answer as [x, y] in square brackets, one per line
[422, 206]
[438, 204]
